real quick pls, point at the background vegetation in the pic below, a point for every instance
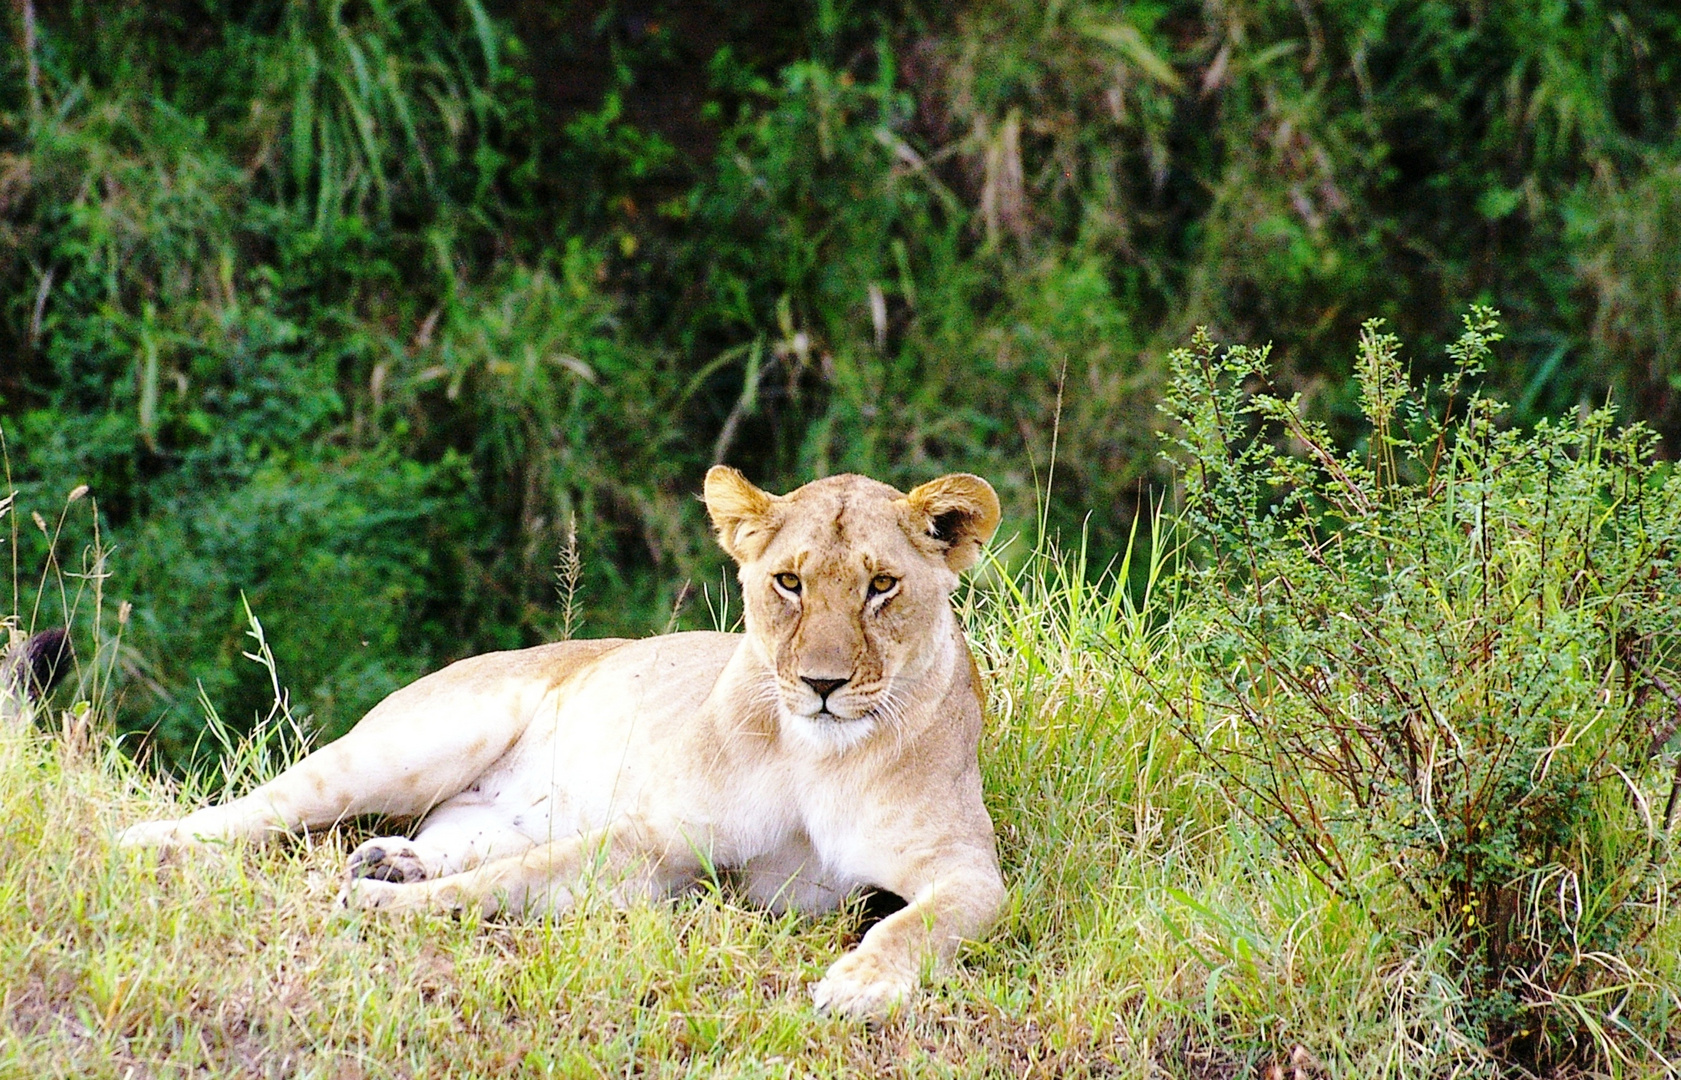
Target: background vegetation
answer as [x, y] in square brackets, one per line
[360, 306]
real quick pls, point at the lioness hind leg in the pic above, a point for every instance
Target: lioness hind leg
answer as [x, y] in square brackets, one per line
[549, 878]
[418, 747]
[366, 772]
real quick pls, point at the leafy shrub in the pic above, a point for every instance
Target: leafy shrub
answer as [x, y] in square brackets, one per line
[896, 334]
[1452, 651]
[249, 315]
[340, 556]
[567, 429]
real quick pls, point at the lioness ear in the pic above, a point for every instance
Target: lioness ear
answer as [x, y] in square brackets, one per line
[741, 513]
[959, 512]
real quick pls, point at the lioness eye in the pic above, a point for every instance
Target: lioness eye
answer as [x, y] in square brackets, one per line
[882, 583]
[788, 581]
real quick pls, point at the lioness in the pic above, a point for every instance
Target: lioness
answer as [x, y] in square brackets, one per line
[831, 746]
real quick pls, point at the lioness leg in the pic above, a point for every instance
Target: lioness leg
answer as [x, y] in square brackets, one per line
[954, 903]
[421, 745]
[548, 878]
[361, 773]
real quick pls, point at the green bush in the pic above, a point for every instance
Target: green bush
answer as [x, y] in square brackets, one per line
[1446, 659]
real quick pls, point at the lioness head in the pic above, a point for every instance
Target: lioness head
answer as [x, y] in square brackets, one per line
[847, 585]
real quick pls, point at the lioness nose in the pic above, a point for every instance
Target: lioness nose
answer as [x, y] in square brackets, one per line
[824, 687]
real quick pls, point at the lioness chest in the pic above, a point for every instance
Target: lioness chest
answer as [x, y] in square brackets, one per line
[643, 735]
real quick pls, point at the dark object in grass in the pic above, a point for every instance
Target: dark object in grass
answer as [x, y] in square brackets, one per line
[41, 662]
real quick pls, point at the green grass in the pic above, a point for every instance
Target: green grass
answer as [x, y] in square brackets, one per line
[1149, 931]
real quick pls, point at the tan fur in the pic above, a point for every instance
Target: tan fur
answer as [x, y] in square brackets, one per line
[830, 747]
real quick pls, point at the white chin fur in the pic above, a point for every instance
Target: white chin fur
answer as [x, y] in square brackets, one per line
[826, 733]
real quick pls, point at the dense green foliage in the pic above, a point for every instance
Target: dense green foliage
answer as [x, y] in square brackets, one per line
[1454, 649]
[359, 306]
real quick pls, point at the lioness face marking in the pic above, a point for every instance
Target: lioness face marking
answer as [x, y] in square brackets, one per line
[831, 746]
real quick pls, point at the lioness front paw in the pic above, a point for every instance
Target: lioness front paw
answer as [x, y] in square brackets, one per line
[387, 858]
[865, 986]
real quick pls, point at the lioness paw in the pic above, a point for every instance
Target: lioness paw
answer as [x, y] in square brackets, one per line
[388, 858]
[167, 835]
[372, 894]
[864, 986]
[368, 894]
